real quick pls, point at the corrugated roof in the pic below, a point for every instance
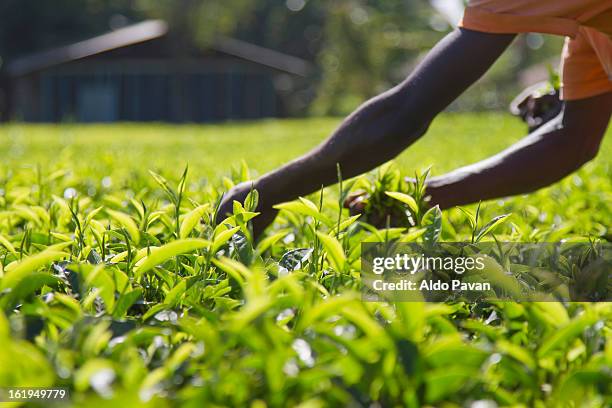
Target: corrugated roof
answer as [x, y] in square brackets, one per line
[121, 37]
[146, 31]
[263, 56]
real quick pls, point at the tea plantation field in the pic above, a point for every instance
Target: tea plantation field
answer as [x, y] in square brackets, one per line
[116, 284]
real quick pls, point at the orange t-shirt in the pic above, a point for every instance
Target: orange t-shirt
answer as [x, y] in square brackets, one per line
[587, 55]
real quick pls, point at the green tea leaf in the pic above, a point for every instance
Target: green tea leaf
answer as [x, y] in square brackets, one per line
[175, 294]
[234, 269]
[307, 208]
[192, 219]
[125, 301]
[222, 237]
[444, 381]
[491, 225]
[26, 286]
[15, 272]
[168, 251]
[334, 251]
[98, 277]
[126, 222]
[406, 199]
[432, 222]
[269, 241]
[7, 244]
[567, 333]
[345, 224]
[295, 259]
[163, 183]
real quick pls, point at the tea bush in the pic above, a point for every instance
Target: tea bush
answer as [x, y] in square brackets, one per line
[120, 287]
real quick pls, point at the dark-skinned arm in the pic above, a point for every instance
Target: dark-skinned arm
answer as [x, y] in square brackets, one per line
[382, 127]
[547, 155]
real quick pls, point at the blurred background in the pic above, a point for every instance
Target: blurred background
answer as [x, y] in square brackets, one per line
[218, 60]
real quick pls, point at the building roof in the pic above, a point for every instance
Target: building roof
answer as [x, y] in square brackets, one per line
[146, 31]
[133, 34]
[263, 56]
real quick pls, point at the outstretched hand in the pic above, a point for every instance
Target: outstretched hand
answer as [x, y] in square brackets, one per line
[239, 193]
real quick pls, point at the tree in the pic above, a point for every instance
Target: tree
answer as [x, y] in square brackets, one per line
[360, 46]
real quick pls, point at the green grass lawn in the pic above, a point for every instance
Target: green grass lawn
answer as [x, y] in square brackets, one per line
[211, 150]
[123, 153]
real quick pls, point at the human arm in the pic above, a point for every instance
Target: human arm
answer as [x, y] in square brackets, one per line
[383, 126]
[545, 156]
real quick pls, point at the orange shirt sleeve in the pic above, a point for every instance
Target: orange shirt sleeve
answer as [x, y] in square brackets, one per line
[583, 73]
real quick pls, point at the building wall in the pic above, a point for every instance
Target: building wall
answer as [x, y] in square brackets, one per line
[148, 90]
